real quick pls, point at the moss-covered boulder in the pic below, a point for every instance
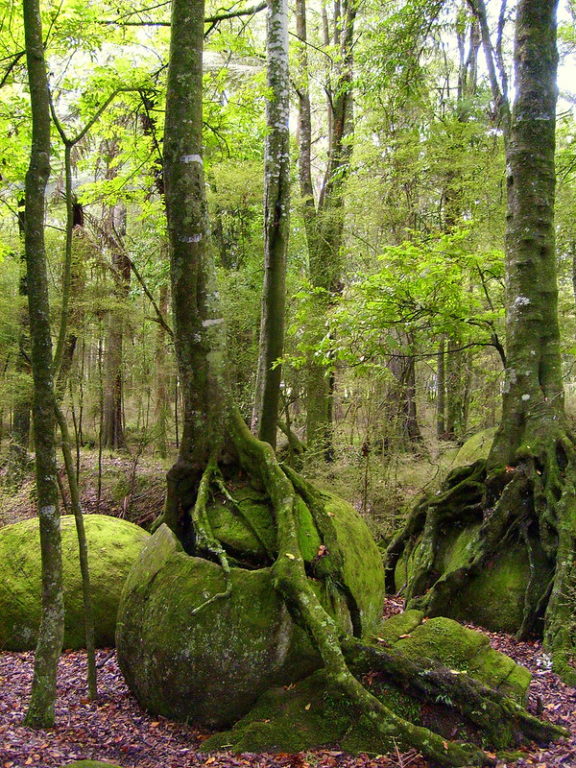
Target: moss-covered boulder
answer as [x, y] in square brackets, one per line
[312, 713]
[211, 666]
[113, 545]
[89, 764]
[495, 597]
[475, 448]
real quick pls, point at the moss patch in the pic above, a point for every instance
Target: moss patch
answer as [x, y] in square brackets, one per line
[475, 448]
[309, 714]
[312, 713]
[113, 547]
[464, 651]
[89, 764]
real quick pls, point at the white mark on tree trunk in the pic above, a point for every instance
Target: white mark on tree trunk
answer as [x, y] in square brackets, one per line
[192, 239]
[191, 159]
[212, 321]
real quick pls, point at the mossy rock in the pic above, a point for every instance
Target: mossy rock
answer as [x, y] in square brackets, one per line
[312, 713]
[495, 597]
[458, 648]
[113, 547]
[89, 764]
[211, 667]
[475, 448]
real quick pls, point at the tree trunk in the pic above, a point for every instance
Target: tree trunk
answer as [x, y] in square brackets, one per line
[21, 414]
[324, 222]
[526, 488]
[162, 404]
[276, 224]
[41, 707]
[113, 421]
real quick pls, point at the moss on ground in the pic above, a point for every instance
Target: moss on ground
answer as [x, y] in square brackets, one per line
[312, 713]
[89, 764]
[113, 547]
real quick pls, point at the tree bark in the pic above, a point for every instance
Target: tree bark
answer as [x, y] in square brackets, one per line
[276, 223]
[324, 222]
[40, 712]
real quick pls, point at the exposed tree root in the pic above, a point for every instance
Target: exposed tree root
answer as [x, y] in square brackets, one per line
[345, 657]
[533, 500]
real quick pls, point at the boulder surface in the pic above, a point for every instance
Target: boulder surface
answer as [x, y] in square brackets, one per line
[212, 665]
[113, 546]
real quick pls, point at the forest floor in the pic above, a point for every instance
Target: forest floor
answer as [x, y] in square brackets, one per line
[115, 729]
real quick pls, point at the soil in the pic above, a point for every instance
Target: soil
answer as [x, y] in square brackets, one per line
[116, 730]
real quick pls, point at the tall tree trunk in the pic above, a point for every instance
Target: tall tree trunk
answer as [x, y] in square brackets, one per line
[41, 707]
[113, 421]
[324, 222]
[525, 492]
[197, 323]
[276, 223]
[21, 414]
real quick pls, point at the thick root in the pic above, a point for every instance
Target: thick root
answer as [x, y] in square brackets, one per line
[538, 494]
[291, 581]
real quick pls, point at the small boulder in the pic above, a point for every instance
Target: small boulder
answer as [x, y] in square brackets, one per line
[113, 546]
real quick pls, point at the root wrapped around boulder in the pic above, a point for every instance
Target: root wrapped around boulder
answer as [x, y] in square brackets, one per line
[113, 547]
[187, 656]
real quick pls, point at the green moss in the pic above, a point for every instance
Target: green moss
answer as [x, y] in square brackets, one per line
[403, 623]
[465, 651]
[113, 546]
[307, 715]
[89, 764]
[359, 561]
[212, 666]
[246, 526]
[475, 448]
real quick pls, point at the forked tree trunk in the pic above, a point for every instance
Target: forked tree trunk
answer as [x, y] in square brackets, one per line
[41, 707]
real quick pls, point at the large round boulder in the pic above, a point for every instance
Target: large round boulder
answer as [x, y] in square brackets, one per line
[210, 666]
[113, 546]
[495, 597]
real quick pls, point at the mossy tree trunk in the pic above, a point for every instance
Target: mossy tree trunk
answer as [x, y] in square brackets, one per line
[276, 223]
[40, 712]
[527, 486]
[215, 437]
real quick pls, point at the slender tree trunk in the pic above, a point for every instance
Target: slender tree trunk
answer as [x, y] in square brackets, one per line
[162, 404]
[197, 322]
[441, 391]
[276, 224]
[21, 414]
[41, 707]
[113, 425]
[324, 222]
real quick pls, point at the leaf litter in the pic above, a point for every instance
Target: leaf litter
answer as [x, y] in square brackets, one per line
[115, 729]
